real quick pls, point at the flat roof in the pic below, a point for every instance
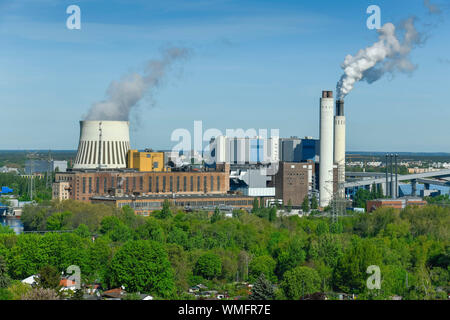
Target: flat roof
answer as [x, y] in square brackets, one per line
[170, 196]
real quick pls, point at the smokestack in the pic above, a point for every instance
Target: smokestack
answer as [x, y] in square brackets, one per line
[339, 145]
[103, 144]
[392, 176]
[387, 175]
[326, 148]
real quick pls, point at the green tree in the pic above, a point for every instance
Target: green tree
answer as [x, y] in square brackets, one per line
[142, 265]
[305, 204]
[361, 197]
[5, 280]
[217, 215]
[41, 294]
[49, 278]
[314, 202]
[255, 208]
[299, 282]
[208, 266]
[272, 214]
[262, 289]
[6, 230]
[165, 212]
[262, 265]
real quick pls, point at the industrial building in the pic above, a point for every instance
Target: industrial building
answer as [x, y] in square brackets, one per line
[146, 161]
[294, 181]
[145, 204]
[294, 149]
[84, 184]
[103, 145]
[237, 151]
[399, 203]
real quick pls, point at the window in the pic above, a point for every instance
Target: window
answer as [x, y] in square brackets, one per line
[198, 183]
[218, 183]
[127, 184]
[149, 184]
[141, 183]
[205, 186]
[112, 182]
[184, 184]
[164, 184]
[178, 184]
[192, 183]
[90, 184]
[97, 185]
[157, 184]
[212, 183]
[105, 187]
[171, 184]
[84, 184]
[155, 165]
[134, 183]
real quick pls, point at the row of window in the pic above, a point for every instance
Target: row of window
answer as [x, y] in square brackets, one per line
[153, 184]
[183, 203]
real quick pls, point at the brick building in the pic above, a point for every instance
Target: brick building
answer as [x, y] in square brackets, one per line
[84, 184]
[294, 181]
[399, 203]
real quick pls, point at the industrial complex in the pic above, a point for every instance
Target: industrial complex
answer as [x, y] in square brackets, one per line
[236, 170]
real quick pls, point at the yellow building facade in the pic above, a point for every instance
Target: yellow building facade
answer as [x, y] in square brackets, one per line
[146, 161]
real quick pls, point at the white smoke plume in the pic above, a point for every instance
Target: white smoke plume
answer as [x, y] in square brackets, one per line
[123, 95]
[389, 54]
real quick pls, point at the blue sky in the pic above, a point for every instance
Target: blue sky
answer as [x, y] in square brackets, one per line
[254, 64]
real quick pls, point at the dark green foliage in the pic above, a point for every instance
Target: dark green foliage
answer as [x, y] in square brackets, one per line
[299, 282]
[217, 215]
[5, 280]
[314, 203]
[142, 265]
[305, 204]
[165, 212]
[49, 278]
[262, 289]
[262, 265]
[208, 266]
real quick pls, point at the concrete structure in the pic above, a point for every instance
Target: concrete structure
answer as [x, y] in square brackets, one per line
[102, 145]
[326, 148]
[246, 150]
[146, 161]
[339, 145]
[61, 190]
[251, 182]
[84, 184]
[294, 149]
[145, 204]
[399, 203]
[294, 181]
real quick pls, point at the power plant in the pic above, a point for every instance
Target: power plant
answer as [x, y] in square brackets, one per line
[326, 148]
[339, 146]
[103, 145]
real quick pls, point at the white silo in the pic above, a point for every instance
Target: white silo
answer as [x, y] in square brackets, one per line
[326, 148]
[103, 145]
[339, 145]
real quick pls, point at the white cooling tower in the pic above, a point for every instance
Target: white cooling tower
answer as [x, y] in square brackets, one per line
[326, 148]
[103, 145]
[339, 145]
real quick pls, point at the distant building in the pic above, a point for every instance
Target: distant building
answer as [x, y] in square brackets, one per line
[145, 204]
[5, 169]
[42, 166]
[232, 150]
[251, 182]
[399, 203]
[146, 161]
[294, 149]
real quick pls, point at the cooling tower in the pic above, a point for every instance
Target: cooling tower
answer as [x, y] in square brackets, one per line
[339, 145]
[103, 145]
[326, 148]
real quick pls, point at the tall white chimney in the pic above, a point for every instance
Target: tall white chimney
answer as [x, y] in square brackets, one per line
[326, 148]
[103, 145]
[339, 145]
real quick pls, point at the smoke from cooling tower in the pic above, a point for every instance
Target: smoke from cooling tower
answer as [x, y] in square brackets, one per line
[389, 54]
[123, 95]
